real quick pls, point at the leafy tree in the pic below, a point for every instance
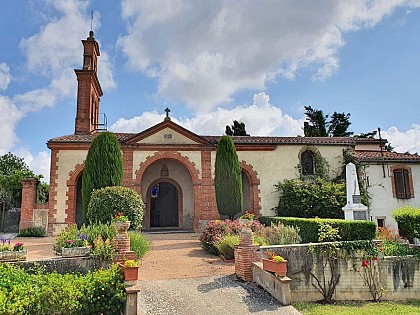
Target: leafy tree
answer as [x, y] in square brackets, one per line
[338, 125]
[228, 178]
[318, 126]
[103, 166]
[369, 135]
[237, 129]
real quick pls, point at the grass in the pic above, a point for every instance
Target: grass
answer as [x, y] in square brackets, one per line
[360, 308]
[138, 244]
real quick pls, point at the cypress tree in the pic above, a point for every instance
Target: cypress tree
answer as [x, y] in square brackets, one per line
[228, 178]
[103, 166]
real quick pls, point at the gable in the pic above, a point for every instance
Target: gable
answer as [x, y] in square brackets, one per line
[167, 136]
[167, 132]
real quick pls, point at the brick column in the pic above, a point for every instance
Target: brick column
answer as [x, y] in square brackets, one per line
[122, 247]
[29, 186]
[245, 254]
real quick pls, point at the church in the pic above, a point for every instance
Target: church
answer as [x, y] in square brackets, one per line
[172, 168]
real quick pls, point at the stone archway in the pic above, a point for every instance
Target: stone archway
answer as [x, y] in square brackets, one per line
[166, 209]
[254, 190]
[72, 188]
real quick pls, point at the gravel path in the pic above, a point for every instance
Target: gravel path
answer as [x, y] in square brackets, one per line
[178, 277]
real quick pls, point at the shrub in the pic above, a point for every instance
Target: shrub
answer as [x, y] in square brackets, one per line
[109, 201]
[103, 250]
[103, 166]
[227, 178]
[99, 292]
[33, 231]
[408, 219]
[279, 234]
[138, 244]
[309, 199]
[260, 240]
[226, 244]
[214, 231]
[309, 228]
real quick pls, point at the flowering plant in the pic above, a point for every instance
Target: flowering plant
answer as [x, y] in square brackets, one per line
[274, 256]
[80, 241]
[130, 263]
[247, 216]
[120, 217]
[18, 247]
[4, 247]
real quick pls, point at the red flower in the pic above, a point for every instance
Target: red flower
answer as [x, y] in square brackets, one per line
[374, 258]
[364, 263]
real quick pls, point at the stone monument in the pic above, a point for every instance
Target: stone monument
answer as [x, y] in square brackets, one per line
[354, 209]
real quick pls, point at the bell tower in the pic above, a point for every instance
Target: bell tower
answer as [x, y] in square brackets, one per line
[89, 89]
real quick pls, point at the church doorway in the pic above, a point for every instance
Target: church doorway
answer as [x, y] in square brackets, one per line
[165, 199]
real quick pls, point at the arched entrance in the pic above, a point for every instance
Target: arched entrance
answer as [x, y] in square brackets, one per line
[164, 204]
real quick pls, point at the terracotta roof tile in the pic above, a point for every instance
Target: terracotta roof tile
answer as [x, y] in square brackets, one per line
[376, 156]
[285, 140]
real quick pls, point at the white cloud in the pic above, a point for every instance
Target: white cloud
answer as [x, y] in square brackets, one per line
[5, 76]
[404, 141]
[39, 164]
[9, 117]
[261, 119]
[204, 52]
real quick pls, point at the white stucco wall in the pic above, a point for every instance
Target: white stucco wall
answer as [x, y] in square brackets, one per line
[383, 202]
[67, 161]
[280, 164]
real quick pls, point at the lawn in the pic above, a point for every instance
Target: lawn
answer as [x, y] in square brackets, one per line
[359, 308]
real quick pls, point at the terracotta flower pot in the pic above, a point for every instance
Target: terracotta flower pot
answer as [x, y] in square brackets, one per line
[130, 273]
[279, 268]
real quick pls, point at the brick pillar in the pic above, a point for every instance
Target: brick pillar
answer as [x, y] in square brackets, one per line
[29, 186]
[245, 254]
[122, 247]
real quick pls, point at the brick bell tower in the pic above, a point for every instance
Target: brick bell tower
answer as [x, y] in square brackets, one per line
[89, 90]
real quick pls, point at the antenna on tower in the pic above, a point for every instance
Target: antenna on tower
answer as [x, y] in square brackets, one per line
[91, 20]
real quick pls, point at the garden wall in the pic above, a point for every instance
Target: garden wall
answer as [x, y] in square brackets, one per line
[399, 276]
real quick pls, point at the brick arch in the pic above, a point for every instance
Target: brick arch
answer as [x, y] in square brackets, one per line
[190, 166]
[71, 193]
[254, 183]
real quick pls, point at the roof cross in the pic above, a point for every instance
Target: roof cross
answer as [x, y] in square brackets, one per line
[167, 110]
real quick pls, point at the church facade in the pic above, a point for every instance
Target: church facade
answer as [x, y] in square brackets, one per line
[172, 168]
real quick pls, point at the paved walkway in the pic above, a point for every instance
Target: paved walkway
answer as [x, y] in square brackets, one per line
[178, 277]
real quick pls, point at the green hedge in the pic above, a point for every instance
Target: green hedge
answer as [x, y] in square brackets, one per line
[99, 292]
[349, 230]
[408, 219]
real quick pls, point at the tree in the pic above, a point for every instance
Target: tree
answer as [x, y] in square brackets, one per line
[338, 125]
[228, 178]
[103, 166]
[237, 129]
[318, 126]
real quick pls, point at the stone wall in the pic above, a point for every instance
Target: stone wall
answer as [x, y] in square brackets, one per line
[399, 276]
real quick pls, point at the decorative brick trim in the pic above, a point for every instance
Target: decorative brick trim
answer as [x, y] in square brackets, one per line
[71, 193]
[148, 200]
[254, 183]
[410, 178]
[52, 212]
[205, 200]
[190, 166]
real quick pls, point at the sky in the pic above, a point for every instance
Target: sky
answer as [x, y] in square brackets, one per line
[210, 62]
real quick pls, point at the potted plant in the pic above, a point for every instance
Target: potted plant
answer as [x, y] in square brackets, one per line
[7, 253]
[121, 222]
[130, 269]
[275, 263]
[246, 219]
[76, 247]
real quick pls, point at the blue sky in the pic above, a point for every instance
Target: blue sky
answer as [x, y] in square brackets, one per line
[211, 62]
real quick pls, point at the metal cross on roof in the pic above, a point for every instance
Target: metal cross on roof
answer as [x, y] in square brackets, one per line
[167, 110]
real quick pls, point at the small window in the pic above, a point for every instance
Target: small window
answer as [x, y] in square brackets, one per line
[381, 222]
[402, 184]
[307, 163]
